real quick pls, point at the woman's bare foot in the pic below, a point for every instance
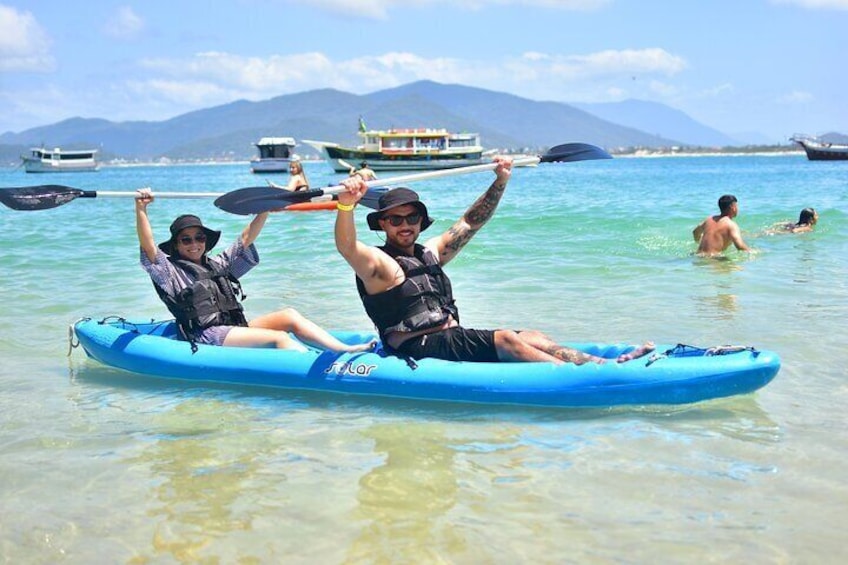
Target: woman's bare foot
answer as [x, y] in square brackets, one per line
[638, 352]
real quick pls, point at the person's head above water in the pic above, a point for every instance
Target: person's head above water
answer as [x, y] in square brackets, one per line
[725, 203]
[808, 217]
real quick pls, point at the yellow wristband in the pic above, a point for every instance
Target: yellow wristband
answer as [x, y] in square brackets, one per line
[345, 207]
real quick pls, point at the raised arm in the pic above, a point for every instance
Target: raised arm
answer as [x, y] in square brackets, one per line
[251, 232]
[376, 269]
[449, 244]
[142, 223]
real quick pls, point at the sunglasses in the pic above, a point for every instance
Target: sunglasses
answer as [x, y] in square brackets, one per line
[187, 239]
[411, 219]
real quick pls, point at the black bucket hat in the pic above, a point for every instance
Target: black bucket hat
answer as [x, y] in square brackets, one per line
[394, 198]
[189, 221]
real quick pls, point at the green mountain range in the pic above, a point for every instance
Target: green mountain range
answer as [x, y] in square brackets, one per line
[504, 121]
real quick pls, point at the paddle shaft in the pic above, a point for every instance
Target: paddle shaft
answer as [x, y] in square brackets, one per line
[118, 194]
[414, 177]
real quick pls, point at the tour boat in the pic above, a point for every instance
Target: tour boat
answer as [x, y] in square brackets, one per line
[41, 160]
[404, 149]
[275, 154]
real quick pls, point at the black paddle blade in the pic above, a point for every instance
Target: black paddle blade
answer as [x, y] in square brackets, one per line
[569, 152]
[41, 197]
[371, 199]
[257, 199]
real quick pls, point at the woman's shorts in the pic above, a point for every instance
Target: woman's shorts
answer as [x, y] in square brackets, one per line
[214, 335]
[453, 344]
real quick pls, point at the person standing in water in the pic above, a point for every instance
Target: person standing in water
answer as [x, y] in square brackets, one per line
[297, 177]
[364, 171]
[716, 233]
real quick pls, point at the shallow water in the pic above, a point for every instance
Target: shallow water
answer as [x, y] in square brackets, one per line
[99, 462]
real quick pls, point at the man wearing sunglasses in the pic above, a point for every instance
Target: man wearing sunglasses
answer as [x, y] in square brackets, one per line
[407, 294]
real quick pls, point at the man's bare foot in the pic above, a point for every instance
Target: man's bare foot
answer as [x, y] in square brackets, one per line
[638, 352]
[360, 347]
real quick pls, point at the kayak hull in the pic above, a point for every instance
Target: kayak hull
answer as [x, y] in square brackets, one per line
[151, 348]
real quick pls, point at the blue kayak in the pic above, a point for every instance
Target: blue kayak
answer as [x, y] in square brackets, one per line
[673, 374]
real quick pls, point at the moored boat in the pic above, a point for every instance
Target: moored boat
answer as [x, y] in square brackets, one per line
[820, 150]
[673, 375]
[275, 154]
[404, 149]
[41, 160]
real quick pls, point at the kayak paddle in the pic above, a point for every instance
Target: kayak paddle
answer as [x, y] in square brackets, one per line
[255, 199]
[259, 199]
[46, 196]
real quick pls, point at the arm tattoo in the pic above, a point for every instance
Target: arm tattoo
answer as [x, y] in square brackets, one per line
[458, 239]
[477, 215]
[484, 207]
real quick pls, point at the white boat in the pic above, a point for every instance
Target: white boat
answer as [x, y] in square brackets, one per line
[820, 150]
[404, 149]
[275, 154]
[41, 160]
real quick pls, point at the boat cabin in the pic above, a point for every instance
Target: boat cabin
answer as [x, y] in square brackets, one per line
[422, 140]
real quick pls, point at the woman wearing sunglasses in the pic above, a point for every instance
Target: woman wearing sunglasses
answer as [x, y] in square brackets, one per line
[203, 293]
[407, 294]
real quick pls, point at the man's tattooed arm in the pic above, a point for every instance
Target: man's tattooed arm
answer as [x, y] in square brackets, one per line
[480, 212]
[475, 217]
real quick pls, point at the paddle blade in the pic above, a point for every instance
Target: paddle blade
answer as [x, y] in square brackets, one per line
[256, 199]
[371, 198]
[569, 152]
[41, 197]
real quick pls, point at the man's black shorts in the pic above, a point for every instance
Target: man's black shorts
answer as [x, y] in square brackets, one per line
[453, 344]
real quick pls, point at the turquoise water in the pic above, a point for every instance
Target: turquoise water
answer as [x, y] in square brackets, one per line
[99, 462]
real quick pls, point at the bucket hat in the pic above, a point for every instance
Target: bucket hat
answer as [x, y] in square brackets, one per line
[189, 221]
[394, 198]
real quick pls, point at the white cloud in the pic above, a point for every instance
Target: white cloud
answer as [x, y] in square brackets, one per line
[24, 45]
[124, 24]
[628, 61]
[717, 91]
[816, 4]
[190, 93]
[251, 74]
[796, 97]
[162, 87]
[664, 89]
[369, 9]
[216, 77]
[379, 9]
[535, 56]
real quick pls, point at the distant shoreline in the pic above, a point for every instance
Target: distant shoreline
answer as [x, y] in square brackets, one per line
[777, 151]
[729, 152]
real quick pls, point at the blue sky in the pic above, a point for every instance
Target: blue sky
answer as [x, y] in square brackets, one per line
[775, 67]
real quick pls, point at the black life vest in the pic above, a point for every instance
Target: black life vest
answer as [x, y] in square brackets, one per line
[211, 300]
[424, 300]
